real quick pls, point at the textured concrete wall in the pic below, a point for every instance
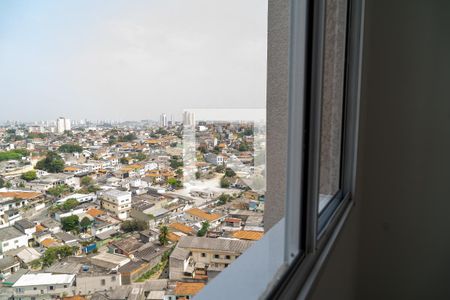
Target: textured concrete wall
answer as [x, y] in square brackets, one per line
[277, 109]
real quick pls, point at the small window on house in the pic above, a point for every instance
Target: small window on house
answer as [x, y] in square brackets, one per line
[35, 288]
[51, 288]
[228, 257]
[203, 254]
[103, 282]
[65, 286]
[216, 256]
[113, 278]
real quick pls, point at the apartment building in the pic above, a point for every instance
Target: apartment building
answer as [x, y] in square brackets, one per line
[206, 256]
[117, 202]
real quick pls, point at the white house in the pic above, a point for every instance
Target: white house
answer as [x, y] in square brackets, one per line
[41, 286]
[12, 238]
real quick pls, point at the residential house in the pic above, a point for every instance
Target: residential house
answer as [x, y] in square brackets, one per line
[12, 238]
[42, 286]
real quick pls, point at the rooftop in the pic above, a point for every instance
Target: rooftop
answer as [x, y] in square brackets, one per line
[9, 233]
[188, 288]
[182, 227]
[248, 235]
[193, 242]
[44, 279]
[203, 215]
[116, 193]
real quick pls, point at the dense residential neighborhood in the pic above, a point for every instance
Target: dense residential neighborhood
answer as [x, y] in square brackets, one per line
[109, 210]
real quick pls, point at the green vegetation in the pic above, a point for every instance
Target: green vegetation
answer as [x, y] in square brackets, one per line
[128, 138]
[13, 154]
[2, 182]
[220, 169]
[243, 147]
[53, 163]
[70, 204]
[53, 254]
[204, 229]
[157, 268]
[70, 148]
[224, 198]
[28, 176]
[140, 156]
[175, 183]
[88, 185]
[175, 162]
[85, 223]
[163, 235]
[224, 183]
[133, 225]
[59, 190]
[124, 161]
[229, 172]
[34, 135]
[197, 175]
[70, 223]
[112, 140]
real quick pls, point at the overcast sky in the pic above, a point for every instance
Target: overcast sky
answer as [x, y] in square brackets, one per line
[130, 60]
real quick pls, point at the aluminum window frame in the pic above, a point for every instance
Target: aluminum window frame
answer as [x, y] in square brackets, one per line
[315, 234]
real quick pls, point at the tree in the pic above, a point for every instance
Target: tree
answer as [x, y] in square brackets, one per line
[220, 169]
[229, 172]
[243, 147]
[197, 175]
[133, 225]
[2, 182]
[140, 156]
[56, 253]
[70, 223]
[70, 148]
[223, 199]
[112, 140]
[58, 190]
[16, 154]
[175, 183]
[85, 223]
[52, 163]
[124, 161]
[204, 229]
[70, 204]
[30, 175]
[163, 235]
[86, 181]
[224, 183]
[128, 138]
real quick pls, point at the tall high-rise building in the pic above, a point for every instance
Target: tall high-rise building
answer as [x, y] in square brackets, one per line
[188, 118]
[62, 124]
[163, 120]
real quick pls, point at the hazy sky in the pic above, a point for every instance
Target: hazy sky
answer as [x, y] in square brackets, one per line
[130, 59]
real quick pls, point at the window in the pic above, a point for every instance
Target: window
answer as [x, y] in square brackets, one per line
[203, 255]
[216, 256]
[113, 278]
[103, 282]
[51, 288]
[65, 286]
[228, 257]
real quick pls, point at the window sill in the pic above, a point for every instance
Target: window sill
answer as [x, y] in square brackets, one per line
[251, 274]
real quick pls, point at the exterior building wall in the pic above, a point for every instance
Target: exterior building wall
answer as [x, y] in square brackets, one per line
[95, 283]
[13, 243]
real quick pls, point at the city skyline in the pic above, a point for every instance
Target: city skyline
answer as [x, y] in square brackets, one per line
[122, 57]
